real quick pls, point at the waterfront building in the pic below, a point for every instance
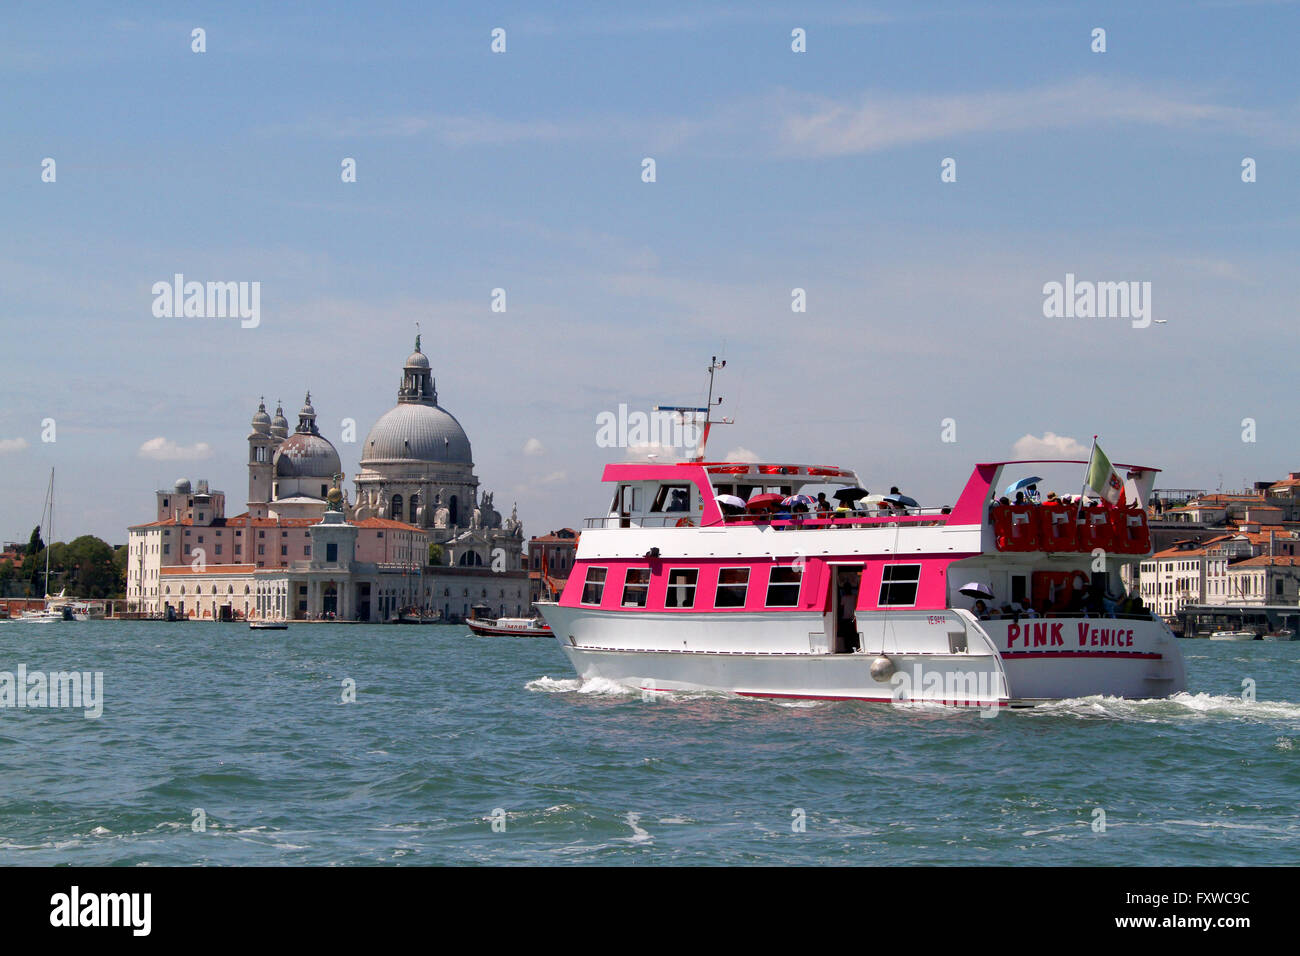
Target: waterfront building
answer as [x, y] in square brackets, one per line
[550, 556]
[301, 551]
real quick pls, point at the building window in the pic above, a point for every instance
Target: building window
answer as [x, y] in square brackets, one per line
[218, 549]
[783, 587]
[331, 552]
[733, 583]
[593, 591]
[306, 551]
[636, 586]
[284, 550]
[681, 587]
[898, 585]
[261, 549]
[397, 508]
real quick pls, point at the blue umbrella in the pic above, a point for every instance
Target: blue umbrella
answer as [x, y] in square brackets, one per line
[903, 500]
[798, 500]
[1021, 485]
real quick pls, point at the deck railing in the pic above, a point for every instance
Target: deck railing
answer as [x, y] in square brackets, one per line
[914, 517]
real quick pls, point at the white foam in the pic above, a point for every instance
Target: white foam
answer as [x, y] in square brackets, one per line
[1182, 706]
[592, 685]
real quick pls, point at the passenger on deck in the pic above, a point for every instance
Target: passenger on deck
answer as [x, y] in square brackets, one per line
[1021, 499]
[1032, 495]
[824, 507]
[981, 610]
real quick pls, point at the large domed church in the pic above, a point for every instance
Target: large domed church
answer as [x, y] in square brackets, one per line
[417, 467]
[303, 552]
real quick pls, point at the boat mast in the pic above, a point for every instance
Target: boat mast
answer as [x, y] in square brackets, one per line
[49, 529]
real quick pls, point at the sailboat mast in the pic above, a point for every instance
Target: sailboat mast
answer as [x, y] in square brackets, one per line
[49, 530]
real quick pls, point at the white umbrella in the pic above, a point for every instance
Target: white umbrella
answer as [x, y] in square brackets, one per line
[976, 590]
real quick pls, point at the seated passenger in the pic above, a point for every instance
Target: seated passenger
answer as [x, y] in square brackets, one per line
[981, 611]
[824, 507]
[1033, 496]
[1021, 499]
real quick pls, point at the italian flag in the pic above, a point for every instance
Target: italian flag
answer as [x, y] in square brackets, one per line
[1102, 476]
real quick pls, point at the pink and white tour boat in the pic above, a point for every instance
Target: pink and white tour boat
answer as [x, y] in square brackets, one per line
[672, 591]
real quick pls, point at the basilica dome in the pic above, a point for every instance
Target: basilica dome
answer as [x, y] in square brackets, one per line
[417, 433]
[418, 429]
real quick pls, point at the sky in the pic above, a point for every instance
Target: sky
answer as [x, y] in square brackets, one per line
[523, 170]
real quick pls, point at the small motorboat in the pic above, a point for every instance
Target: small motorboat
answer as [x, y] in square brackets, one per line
[1282, 634]
[510, 627]
[268, 626]
[1234, 636]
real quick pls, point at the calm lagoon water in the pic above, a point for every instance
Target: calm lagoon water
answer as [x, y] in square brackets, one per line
[448, 729]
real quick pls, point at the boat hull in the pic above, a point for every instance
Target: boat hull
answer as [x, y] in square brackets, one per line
[947, 658]
[488, 630]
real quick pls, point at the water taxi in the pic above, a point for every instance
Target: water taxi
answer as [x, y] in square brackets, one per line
[509, 627]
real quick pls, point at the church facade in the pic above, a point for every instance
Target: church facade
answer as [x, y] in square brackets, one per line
[302, 551]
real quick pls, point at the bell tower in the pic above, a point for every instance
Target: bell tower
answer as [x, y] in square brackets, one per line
[261, 449]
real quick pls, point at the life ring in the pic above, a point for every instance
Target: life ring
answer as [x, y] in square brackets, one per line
[685, 523]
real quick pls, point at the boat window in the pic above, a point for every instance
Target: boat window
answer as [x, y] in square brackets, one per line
[672, 498]
[681, 587]
[783, 587]
[898, 585]
[594, 589]
[724, 489]
[636, 586]
[732, 585]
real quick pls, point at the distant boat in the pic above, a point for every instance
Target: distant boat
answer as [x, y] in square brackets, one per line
[60, 608]
[510, 627]
[268, 626]
[1233, 636]
[1282, 634]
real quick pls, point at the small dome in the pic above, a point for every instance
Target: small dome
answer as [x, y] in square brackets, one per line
[417, 360]
[261, 420]
[280, 426]
[304, 455]
[182, 486]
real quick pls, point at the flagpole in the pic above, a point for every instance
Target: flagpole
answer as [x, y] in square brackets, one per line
[1091, 452]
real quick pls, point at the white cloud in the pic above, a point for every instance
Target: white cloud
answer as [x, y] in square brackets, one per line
[12, 444]
[741, 454]
[873, 122]
[534, 446]
[162, 449]
[1051, 445]
[653, 452]
[553, 478]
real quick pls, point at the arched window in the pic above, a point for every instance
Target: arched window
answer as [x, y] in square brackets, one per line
[453, 512]
[397, 508]
[414, 508]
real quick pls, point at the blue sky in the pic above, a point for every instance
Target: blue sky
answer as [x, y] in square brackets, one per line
[521, 171]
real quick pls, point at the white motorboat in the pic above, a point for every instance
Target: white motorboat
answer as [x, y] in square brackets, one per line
[1233, 636]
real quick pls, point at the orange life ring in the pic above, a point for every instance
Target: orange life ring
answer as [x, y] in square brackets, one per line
[685, 523]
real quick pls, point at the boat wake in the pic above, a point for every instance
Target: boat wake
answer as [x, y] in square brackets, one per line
[1178, 708]
[595, 685]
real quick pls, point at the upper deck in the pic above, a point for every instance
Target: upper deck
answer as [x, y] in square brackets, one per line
[682, 496]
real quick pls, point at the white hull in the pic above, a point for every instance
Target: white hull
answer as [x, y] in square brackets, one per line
[946, 658]
[1232, 636]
